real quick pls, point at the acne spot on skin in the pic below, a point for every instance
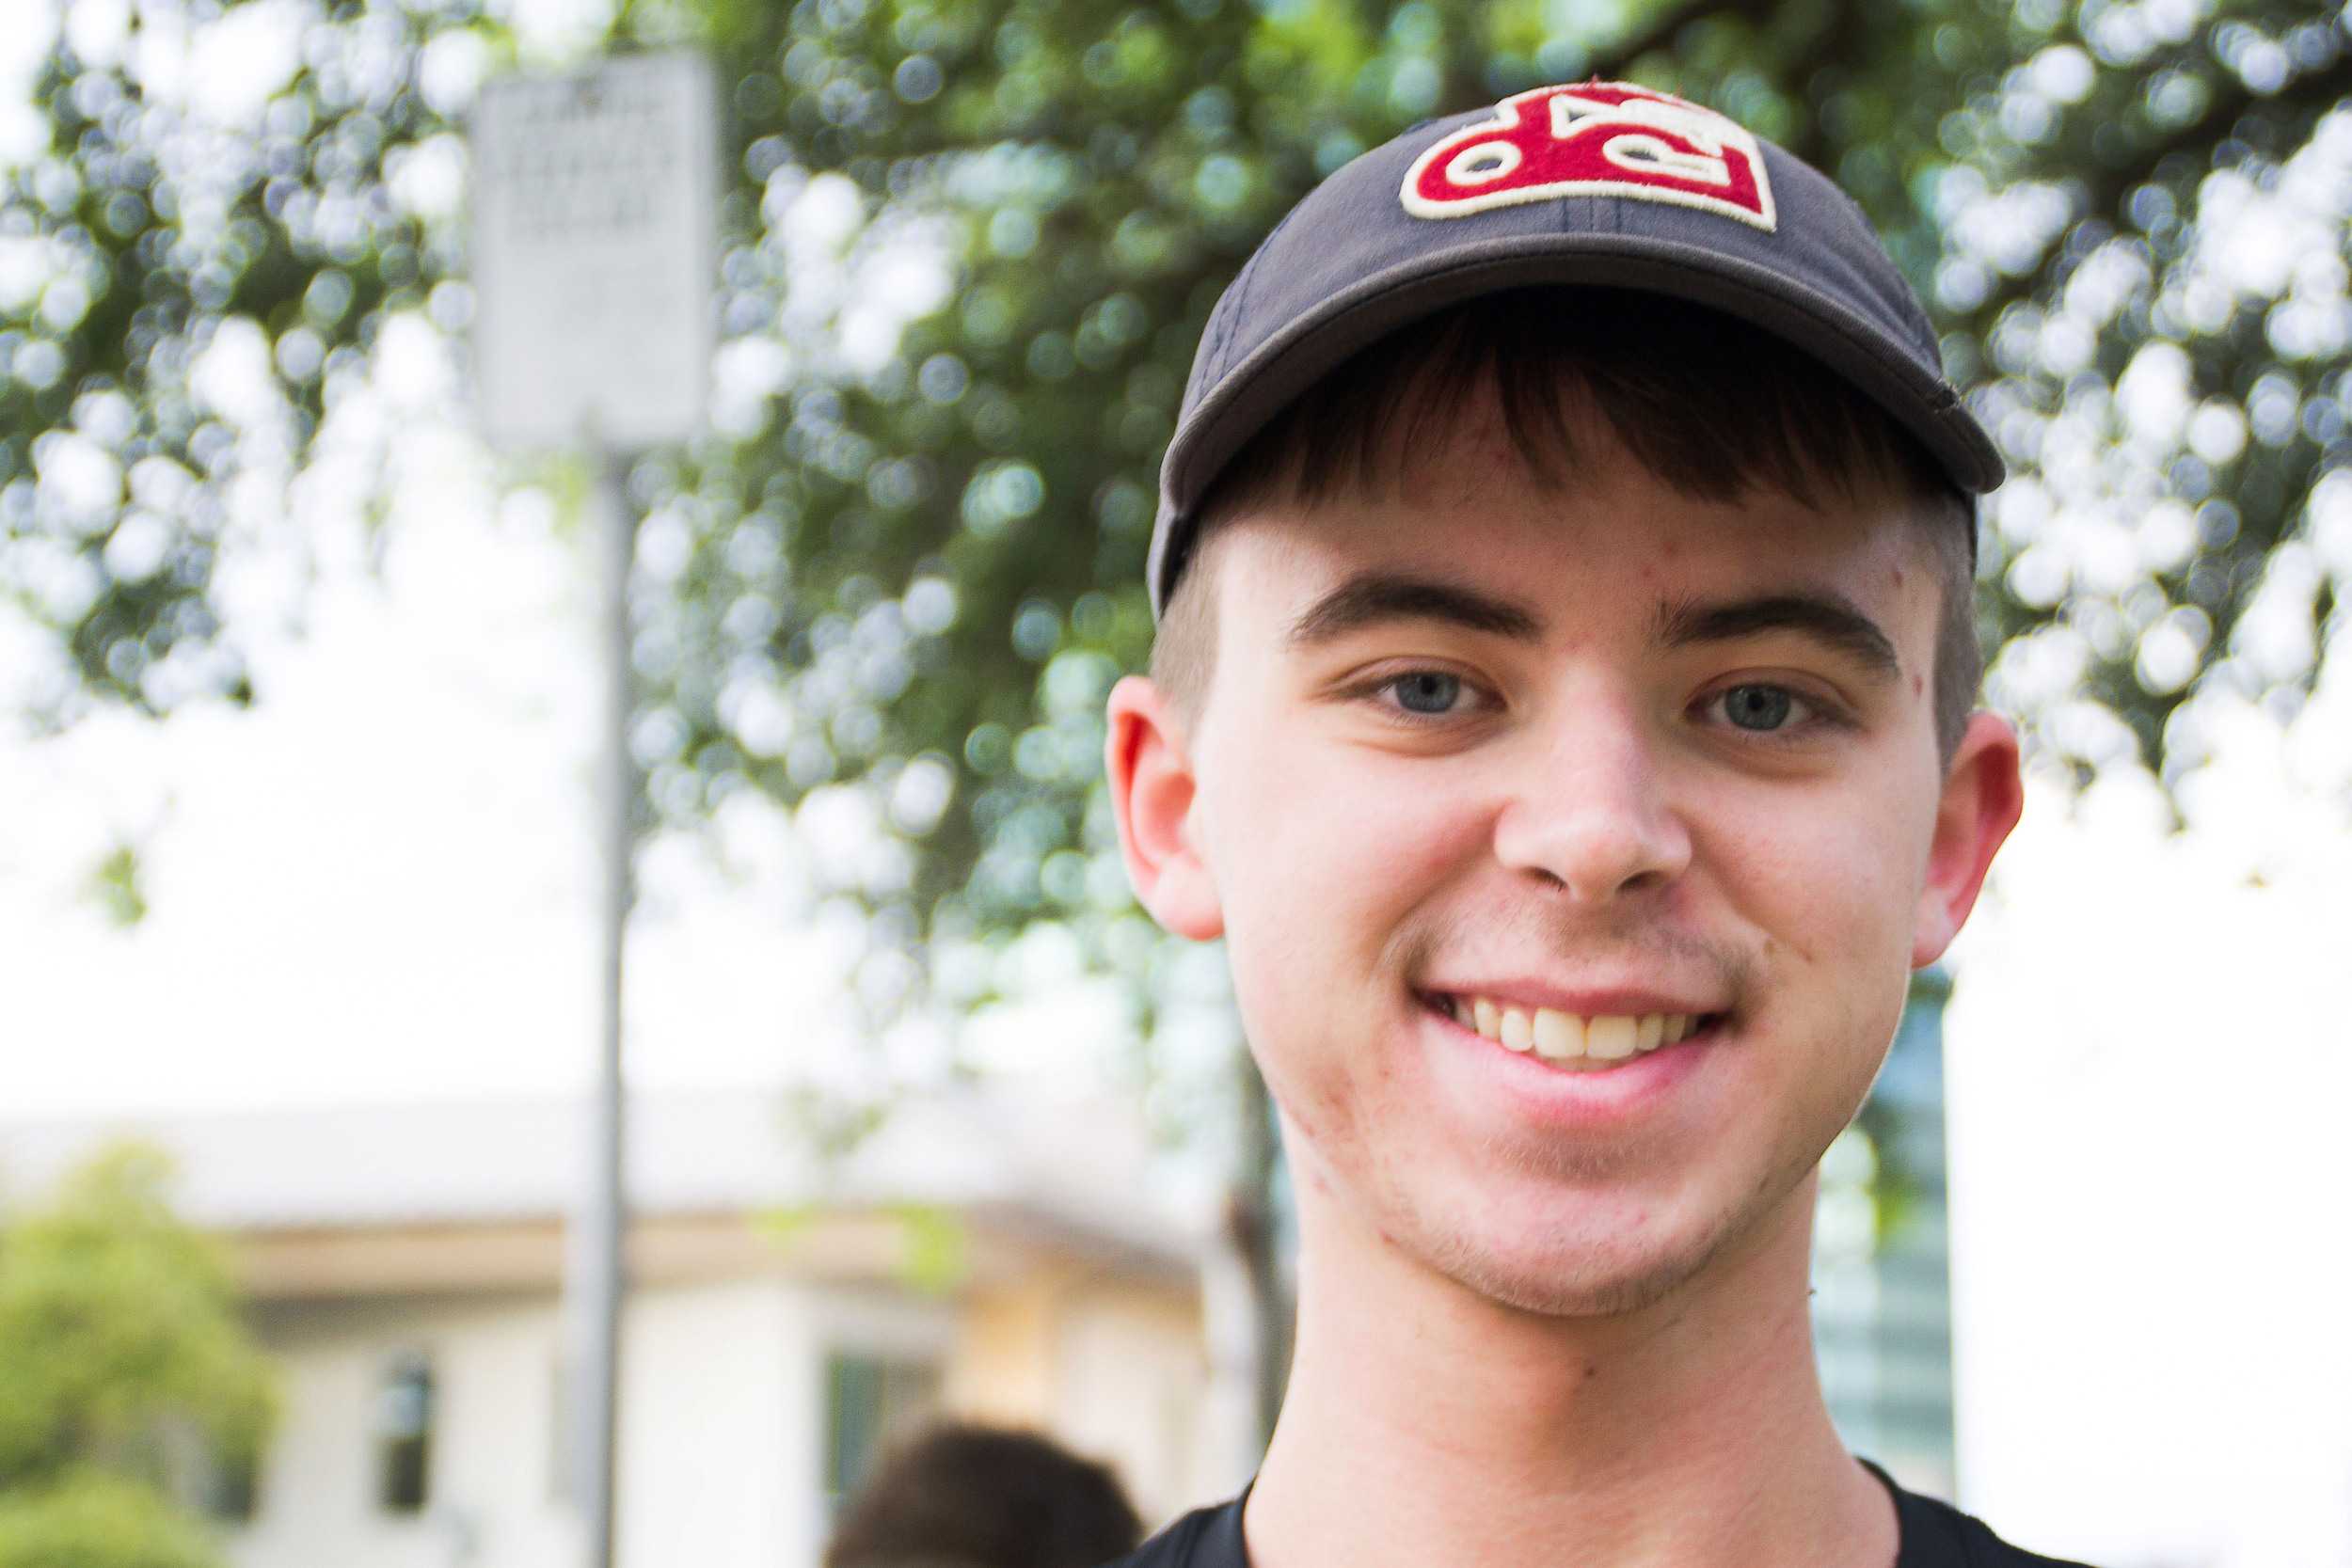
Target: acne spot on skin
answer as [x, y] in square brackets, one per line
[1592, 1370]
[1918, 683]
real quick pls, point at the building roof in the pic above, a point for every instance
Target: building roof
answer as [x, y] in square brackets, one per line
[1080, 1166]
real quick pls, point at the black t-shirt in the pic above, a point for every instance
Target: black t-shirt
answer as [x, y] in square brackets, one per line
[1934, 1535]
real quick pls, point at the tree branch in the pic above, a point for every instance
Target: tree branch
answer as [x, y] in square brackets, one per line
[1662, 31]
[2106, 188]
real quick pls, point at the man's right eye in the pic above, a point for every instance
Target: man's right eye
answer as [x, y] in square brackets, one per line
[1427, 696]
[1426, 691]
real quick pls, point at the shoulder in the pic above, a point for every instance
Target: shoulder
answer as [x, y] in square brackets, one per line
[1937, 1535]
[1205, 1537]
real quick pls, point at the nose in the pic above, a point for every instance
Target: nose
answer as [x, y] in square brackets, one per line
[1588, 813]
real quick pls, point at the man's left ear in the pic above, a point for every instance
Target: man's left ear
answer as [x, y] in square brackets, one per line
[1984, 793]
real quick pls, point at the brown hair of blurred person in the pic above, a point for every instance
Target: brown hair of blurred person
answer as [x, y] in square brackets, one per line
[965, 1496]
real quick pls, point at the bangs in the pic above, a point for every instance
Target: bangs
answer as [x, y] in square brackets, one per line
[1710, 405]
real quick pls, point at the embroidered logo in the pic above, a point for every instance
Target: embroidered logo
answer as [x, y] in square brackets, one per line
[1595, 138]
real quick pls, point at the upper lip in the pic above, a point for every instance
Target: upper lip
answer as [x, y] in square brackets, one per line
[1585, 1002]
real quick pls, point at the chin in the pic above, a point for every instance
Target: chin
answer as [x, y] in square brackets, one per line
[1572, 1290]
[1568, 1273]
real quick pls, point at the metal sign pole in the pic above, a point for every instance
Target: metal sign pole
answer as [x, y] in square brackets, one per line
[601, 1276]
[594, 247]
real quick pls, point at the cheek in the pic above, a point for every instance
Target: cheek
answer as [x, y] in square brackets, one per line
[1325, 859]
[1828, 877]
[1826, 892]
[1826, 882]
[1343, 841]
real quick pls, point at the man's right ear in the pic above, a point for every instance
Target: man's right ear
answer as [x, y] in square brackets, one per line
[1152, 790]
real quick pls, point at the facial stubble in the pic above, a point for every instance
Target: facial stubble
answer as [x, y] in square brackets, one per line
[1591, 1277]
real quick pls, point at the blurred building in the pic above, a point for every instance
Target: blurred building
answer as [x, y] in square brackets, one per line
[979, 1257]
[1882, 1269]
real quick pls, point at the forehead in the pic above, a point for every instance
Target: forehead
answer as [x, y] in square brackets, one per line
[1601, 536]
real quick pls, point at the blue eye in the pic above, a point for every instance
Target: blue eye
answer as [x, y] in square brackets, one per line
[1429, 692]
[1761, 709]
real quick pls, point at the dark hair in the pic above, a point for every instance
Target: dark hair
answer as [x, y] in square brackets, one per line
[965, 1496]
[1709, 404]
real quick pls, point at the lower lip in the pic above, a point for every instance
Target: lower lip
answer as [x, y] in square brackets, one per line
[1569, 1097]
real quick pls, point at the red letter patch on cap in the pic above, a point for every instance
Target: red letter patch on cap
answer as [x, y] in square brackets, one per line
[1595, 138]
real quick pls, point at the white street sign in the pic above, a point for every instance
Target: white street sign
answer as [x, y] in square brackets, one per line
[594, 242]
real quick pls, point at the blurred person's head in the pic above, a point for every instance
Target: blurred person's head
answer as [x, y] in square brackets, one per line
[960, 1494]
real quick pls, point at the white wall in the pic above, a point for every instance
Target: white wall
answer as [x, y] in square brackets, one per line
[1129, 1390]
[709, 1471]
[723, 1422]
[711, 1453]
[488, 1490]
[723, 1409]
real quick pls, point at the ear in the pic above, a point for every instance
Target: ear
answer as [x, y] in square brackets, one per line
[1984, 793]
[1152, 794]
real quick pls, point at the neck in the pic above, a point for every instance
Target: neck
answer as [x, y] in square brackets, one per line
[1424, 1423]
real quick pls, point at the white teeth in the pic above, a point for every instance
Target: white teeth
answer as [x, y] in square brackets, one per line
[1558, 1036]
[1609, 1039]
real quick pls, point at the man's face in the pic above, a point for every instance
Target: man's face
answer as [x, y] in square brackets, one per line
[1607, 750]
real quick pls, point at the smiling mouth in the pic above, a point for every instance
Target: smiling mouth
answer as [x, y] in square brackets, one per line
[1568, 1041]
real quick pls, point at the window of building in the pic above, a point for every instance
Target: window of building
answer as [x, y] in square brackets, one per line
[870, 1401]
[203, 1474]
[403, 1433]
[562, 1442]
[228, 1487]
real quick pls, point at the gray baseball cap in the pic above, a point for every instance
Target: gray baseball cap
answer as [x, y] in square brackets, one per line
[1596, 182]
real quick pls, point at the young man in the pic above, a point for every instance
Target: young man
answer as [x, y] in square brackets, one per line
[1563, 709]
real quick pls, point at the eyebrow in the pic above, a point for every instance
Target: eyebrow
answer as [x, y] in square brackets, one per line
[1375, 597]
[1825, 616]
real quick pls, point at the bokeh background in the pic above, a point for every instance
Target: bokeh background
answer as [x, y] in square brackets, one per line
[297, 835]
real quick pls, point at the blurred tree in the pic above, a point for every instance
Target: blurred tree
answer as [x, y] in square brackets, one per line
[967, 252]
[100, 1521]
[132, 1383]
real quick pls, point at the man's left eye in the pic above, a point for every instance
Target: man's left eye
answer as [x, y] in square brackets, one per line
[1760, 709]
